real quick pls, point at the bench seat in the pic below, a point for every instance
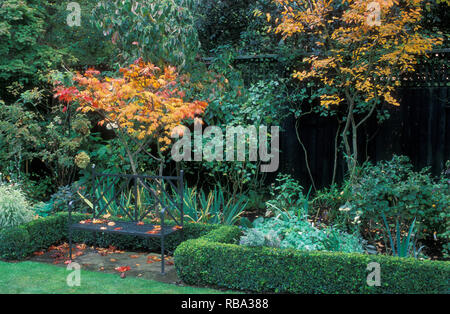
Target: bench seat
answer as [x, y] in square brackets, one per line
[127, 228]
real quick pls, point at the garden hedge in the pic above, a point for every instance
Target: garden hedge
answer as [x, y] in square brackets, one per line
[17, 243]
[215, 260]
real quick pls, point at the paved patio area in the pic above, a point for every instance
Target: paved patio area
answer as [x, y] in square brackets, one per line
[111, 260]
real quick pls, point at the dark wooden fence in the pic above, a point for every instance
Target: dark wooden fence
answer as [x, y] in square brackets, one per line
[419, 128]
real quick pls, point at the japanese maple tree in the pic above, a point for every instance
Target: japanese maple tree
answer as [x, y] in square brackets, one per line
[359, 50]
[143, 106]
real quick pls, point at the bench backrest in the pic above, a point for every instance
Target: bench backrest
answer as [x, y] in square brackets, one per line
[137, 196]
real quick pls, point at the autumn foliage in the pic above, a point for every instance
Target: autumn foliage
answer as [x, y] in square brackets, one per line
[357, 50]
[146, 102]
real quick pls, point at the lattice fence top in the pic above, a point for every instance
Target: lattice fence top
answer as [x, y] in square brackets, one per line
[432, 71]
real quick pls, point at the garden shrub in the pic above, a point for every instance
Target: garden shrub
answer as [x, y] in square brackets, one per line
[393, 189]
[301, 235]
[14, 208]
[14, 243]
[209, 260]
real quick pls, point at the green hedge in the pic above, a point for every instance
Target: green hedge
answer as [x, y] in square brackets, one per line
[17, 243]
[214, 260]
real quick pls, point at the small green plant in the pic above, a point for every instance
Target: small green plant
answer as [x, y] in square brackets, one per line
[43, 209]
[212, 208]
[287, 198]
[14, 208]
[402, 247]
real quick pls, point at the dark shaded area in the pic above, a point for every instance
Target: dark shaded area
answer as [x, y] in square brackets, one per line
[419, 128]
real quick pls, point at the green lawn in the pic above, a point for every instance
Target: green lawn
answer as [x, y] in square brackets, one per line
[32, 277]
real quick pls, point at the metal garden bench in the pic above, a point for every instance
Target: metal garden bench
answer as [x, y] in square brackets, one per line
[133, 197]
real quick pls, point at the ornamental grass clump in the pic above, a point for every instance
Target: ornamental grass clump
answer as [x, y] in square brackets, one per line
[14, 208]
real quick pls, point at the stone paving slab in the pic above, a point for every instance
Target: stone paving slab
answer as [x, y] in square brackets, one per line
[143, 265]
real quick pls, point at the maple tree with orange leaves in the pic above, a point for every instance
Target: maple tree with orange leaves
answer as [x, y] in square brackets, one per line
[359, 51]
[144, 104]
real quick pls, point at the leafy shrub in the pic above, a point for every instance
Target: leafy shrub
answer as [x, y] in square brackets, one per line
[63, 196]
[14, 243]
[287, 198]
[43, 209]
[215, 260]
[301, 235]
[14, 208]
[393, 189]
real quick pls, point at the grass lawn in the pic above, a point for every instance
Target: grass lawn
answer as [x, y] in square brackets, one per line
[32, 277]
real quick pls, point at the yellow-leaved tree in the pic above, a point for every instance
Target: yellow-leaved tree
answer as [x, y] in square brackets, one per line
[358, 52]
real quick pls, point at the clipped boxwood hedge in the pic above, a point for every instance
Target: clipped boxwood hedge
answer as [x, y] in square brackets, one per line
[215, 260]
[17, 243]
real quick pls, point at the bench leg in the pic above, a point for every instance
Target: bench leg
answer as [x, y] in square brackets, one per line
[162, 255]
[70, 244]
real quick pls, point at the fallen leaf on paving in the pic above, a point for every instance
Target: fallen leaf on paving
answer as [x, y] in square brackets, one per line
[113, 260]
[152, 259]
[118, 228]
[81, 246]
[39, 253]
[122, 269]
[140, 223]
[134, 256]
[111, 223]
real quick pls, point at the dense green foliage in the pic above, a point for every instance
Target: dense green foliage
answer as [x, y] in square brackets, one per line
[160, 31]
[301, 235]
[14, 208]
[24, 59]
[209, 259]
[394, 190]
